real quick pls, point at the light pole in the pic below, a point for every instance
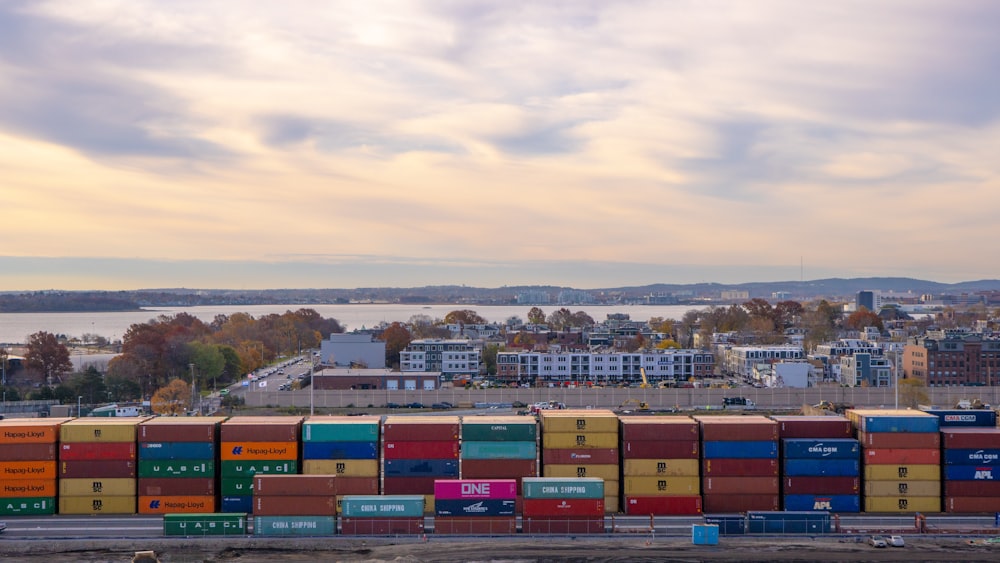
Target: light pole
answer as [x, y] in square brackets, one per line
[312, 386]
[191, 366]
[79, 403]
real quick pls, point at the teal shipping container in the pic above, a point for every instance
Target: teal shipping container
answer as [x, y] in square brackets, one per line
[27, 506]
[294, 525]
[320, 432]
[215, 524]
[154, 468]
[562, 487]
[176, 450]
[499, 432]
[705, 534]
[382, 506]
[499, 450]
[264, 467]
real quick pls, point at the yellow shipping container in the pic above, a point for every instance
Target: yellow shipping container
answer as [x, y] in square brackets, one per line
[902, 472]
[903, 504]
[660, 467]
[611, 504]
[608, 472]
[912, 488]
[578, 420]
[97, 505]
[97, 487]
[341, 467]
[574, 440]
[662, 486]
[100, 430]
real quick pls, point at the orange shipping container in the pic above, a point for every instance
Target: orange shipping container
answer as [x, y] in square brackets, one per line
[256, 451]
[176, 504]
[28, 488]
[21, 431]
[28, 470]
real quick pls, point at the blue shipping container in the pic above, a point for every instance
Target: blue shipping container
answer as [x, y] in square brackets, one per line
[420, 468]
[340, 450]
[970, 473]
[176, 450]
[729, 524]
[844, 448]
[972, 457]
[705, 534]
[740, 450]
[900, 423]
[958, 418]
[799, 522]
[499, 450]
[471, 507]
[833, 503]
[237, 504]
[822, 467]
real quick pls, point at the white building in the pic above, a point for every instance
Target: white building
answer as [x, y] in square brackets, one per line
[739, 361]
[353, 349]
[450, 357]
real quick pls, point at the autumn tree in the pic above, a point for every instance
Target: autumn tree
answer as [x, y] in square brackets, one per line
[786, 313]
[90, 385]
[46, 356]
[862, 318]
[396, 337]
[912, 392]
[209, 362]
[490, 358]
[759, 308]
[536, 316]
[173, 399]
[464, 317]
[661, 325]
[560, 319]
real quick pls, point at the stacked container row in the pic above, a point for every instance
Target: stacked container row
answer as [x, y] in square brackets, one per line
[416, 451]
[368, 515]
[499, 447]
[295, 505]
[97, 466]
[251, 446]
[660, 465]
[475, 506]
[739, 463]
[28, 453]
[344, 447]
[971, 478]
[821, 464]
[582, 443]
[555, 505]
[177, 465]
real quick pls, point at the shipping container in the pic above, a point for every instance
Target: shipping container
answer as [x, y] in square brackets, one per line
[554, 488]
[339, 450]
[471, 507]
[27, 506]
[971, 505]
[561, 508]
[96, 451]
[580, 455]
[804, 448]
[549, 525]
[577, 420]
[923, 456]
[572, 440]
[499, 450]
[28, 470]
[972, 457]
[420, 450]
[172, 486]
[606, 472]
[194, 525]
[648, 449]
[28, 488]
[820, 426]
[904, 440]
[186, 468]
[341, 429]
[28, 452]
[663, 505]
[740, 467]
[740, 485]
[341, 467]
[240, 430]
[739, 502]
[294, 485]
[903, 504]
[657, 429]
[294, 525]
[236, 486]
[661, 467]
[265, 505]
[96, 468]
[958, 418]
[971, 473]
[832, 503]
[821, 485]
[798, 522]
[122, 487]
[236, 503]
[499, 429]
[408, 485]
[491, 469]
[740, 450]
[161, 504]
[176, 429]
[105, 430]
[912, 488]
[902, 472]
[420, 468]
[420, 429]
[466, 489]
[97, 505]
[729, 524]
[30, 431]
[252, 451]
[874, 420]
[251, 468]
[611, 503]
[705, 534]
[970, 488]
[176, 450]
[385, 526]
[653, 486]
[969, 438]
[475, 525]
[750, 428]
[382, 506]
[822, 467]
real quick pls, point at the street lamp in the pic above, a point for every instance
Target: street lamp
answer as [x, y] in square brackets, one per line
[79, 402]
[312, 386]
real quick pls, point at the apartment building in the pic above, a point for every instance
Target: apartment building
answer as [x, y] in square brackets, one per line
[613, 368]
[943, 359]
[449, 357]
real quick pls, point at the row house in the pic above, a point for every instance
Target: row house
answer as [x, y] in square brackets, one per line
[601, 368]
[866, 370]
[953, 359]
[739, 361]
[449, 357]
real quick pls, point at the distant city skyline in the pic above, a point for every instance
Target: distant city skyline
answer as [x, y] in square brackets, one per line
[150, 144]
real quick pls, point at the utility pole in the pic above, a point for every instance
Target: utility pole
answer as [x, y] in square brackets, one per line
[191, 366]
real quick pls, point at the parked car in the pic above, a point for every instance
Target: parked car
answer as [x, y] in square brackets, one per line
[414, 405]
[391, 406]
[896, 541]
[443, 405]
[877, 541]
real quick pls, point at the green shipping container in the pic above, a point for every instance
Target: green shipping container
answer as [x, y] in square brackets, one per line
[382, 506]
[27, 506]
[153, 468]
[236, 486]
[263, 467]
[294, 525]
[562, 487]
[231, 524]
[499, 450]
[499, 432]
[339, 432]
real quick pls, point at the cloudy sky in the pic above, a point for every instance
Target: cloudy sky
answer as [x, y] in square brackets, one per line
[259, 144]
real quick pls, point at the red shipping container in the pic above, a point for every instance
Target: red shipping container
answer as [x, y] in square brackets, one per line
[318, 505]
[663, 506]
[357, 485]
[970, 438]
[645, 449]
[737, 428]
[720, 504]
[420, 450]
[665, 429]
[294, 485]
[96, 450]
[573, 507]
[598, 456]
[408, 485]
[381, 526]
[419, 431]
[893, 456]
[252, 432]
[740, 467]
[971, 505]
[27, 452]
[971, 489]
[480, 526]
[499, 469]
[740, 485]
[87, 469]
[178, 432]
[821, 485]
[593, 525]
[903, 440]
[176, 486]
[796, 426]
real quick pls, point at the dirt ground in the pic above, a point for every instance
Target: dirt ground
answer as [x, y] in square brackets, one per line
[506, 550]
